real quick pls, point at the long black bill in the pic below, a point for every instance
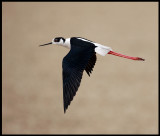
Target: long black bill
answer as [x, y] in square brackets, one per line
[46, 44]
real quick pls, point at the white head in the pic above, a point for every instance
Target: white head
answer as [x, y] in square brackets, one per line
[57, 40]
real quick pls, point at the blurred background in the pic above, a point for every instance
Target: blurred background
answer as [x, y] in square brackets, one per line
[120, 97]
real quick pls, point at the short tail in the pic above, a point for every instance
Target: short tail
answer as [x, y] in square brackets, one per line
[125, 56]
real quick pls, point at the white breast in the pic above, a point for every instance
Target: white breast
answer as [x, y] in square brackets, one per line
[67, 43]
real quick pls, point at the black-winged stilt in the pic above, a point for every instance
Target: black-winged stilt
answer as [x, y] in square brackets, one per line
[82, 56]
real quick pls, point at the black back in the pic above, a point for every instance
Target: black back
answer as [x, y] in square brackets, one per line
[81, 57]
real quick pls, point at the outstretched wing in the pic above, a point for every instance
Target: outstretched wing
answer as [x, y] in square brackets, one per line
[74, 63]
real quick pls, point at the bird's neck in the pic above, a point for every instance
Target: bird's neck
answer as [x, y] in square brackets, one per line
[67, 43]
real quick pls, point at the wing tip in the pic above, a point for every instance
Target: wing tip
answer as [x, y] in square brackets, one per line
[64, 111]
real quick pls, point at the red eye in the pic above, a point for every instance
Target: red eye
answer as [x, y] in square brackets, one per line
[56, 40]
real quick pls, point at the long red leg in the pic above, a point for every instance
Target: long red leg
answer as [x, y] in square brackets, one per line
[125, 56]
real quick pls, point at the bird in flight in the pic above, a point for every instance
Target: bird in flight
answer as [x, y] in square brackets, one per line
[82, 56]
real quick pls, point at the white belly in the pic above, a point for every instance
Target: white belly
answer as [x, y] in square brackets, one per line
[101, 49]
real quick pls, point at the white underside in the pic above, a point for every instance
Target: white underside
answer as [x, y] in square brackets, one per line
[102, 51]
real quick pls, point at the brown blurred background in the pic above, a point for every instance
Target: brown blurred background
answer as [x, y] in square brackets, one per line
[120, 97]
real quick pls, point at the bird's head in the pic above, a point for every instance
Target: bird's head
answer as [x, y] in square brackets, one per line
[57, 40]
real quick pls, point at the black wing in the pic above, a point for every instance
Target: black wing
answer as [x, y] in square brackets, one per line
[81, 57]
[90, 65]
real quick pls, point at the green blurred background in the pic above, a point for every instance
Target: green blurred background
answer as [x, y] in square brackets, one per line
[120, 97]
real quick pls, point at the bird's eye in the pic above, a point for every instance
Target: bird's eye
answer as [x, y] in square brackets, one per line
[56, 40]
